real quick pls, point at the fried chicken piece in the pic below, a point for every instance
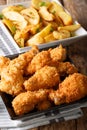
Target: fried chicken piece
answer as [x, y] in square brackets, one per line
[11, 83]
[44, 105]
[40, 60]
[58, 53]
[46, 57]
[26, 102]
[12, 75]
[65, 68]
[73, 88]
[46, 77]
[21, 62]
[4, 61]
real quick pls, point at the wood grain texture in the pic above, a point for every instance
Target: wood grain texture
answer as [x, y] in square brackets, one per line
[78, 52]
[78, 10]
[3, 2]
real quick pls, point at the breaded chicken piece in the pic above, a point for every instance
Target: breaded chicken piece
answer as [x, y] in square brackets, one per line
[11, 82]
[65, 68]
[4, 61]
[21, 62]
[40, 60]
[46, 57]
[44, 105]
[58, 53]
[73, 88]
[46, 77]
[26, 102]
[12, 75]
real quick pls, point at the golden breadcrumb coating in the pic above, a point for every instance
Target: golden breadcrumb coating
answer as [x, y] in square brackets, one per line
[64, 68]
[26, 102]
[58, 53]
[46, 77]
[73, 88]
[12, 75]
[44, 105]
[46, 58]
[11, 82]
[40, 60]
[4, 61]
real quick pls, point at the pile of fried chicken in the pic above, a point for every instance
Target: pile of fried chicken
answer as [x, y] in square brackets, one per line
[40, 79]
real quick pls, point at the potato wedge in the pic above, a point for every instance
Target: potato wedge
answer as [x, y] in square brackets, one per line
[61, 35]
[70, 28]
[38, 3]
[44, 13]
[35, 29]
[49, 38]
[35, 40]
[32, 14]
[17, 19]
[39, 37]
[55, 8]
[66, 18]
[58, 10]
[10, 25]
[47, 30]
[54, 24]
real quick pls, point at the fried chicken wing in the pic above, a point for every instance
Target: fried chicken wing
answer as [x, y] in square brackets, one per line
[65, 68]
[58, 53]
[26, 102]
[46, 77]
[46, 57]
[11, 83]
[73, 88]
[4, 61]
[40, 60]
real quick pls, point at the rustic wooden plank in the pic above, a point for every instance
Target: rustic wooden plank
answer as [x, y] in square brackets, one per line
[82, 122]
[2, 2]
[73, 7]
[78, 10]
[69, 125]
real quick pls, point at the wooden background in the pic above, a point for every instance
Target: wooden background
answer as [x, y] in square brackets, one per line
[78, 52]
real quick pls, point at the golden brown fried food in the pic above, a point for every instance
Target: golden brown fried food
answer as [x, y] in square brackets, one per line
[58, 53]
[44, 105]
[21, 62]
[65, 68]
[4, 61]
[12, 76]
[11, 82]
[73, 88]
[46, 57]
[26, 102]
[40, 60]
[46, 77]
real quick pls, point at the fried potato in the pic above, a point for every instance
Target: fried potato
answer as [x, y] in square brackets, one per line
[61, 35]
[44, 21]
[38, 3]
[44, 13]
[32, 14]
[49, 38]
[71, 28]
[17, 19]
[11, 26]
[66, 18]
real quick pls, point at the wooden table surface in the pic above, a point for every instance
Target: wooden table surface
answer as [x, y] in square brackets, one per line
[78, 52]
